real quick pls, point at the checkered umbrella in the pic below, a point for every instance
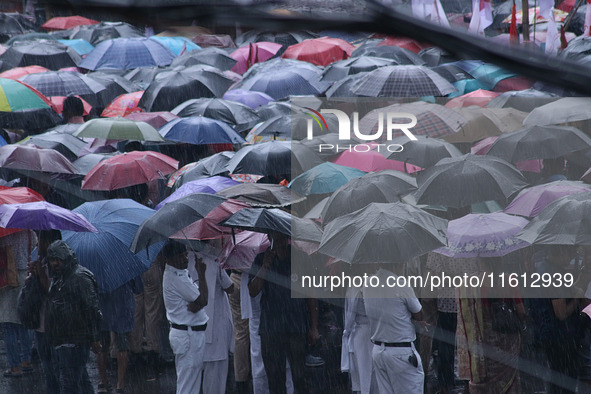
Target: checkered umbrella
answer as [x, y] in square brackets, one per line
[403, 81]
[63, 83]
[127, 53]
[341, 69]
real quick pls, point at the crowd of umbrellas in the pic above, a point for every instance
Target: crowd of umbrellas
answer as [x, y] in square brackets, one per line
[482, 132]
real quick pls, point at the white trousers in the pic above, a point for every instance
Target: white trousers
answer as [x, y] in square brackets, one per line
[362, 376]
[215, 374]
[394, 373]
[187, 347]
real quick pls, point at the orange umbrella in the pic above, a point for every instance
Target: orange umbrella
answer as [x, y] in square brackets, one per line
[123, 105]
[320, 51]
[478, 97]
[18, 72]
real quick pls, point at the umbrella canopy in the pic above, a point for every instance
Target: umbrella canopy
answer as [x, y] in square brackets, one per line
[205, 185]
[452, 72]
[16, 195]
[539, 142]
[324, 178]
[344, 68]
[118, 129]
[42, 215]
[252, 99]
[204, 168]
[490, 74]
[103, 31]
[66, 144]
[29, 37]
[565, 221]
[198, 130]
[344, 87]
[30, 158]
[87, 162]
[564, 110]
[127, 53]
[9, 26]
[231, 112]
[174, 87]
[525, 100]
[123, 105]
[214, 40]
[365, 157]
[67, 22]
[275, 158]
[478, 97]
[18, 72]
[58, 102]
[46, 53]
[404, 42]
[262, 194]
[480, 123]
[213, 57]
[435, 56]
[399, 55]
[173, 217]
[82, 47]
[483, 235]
[386, 186]
[23, 107]
[466, 86]
[284, 38]
[424, 152]
[128, 169]
[242, 250]
[272, 109]
[252, 53]
[402, 81]
[115, 85]
[107, 253]
[286, 127]
[462, 181]
[320, 51]
[531, 201]
[383, 233]
[177, 45]
[154, 119]
[65, 83]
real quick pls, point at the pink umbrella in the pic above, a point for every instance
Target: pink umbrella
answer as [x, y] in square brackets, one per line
[320, 51]
[250, 54]
[58, 101]
[364, 157]
[241, 253]
[154, 119]
[482, 147]
[406, 43]
[478, 97]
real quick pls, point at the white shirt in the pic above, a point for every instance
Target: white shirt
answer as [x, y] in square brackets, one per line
[179, 290]
[390, 318]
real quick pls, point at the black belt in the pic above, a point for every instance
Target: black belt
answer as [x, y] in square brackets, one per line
[193, 328]
[392, 344]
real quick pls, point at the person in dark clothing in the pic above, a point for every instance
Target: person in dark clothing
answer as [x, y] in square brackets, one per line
[73, 110]
[73, 318]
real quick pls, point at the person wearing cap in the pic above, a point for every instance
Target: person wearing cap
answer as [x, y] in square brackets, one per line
[184, 301]
[72, 318]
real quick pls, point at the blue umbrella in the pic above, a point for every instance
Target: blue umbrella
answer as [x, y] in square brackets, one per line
[107, 253]
[199, 130]
[82, 47]
[468, 85]
[176, 44]
[126, 54]
[205, 185]
[253, 99]
[324, 178]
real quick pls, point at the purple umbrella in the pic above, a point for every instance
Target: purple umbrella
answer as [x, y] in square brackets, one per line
[483, 235]
[42, 215]
[247, 97]
[530, 202]
[205, 185]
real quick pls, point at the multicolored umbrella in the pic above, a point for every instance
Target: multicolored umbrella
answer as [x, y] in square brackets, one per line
[118, 129]
[67, 22]
[531, 201]
[23, 107]
[205, 185]
[252, 53]
[128, 169]
[123, 105]
[320, 51]
[19, 72]
[42, 215]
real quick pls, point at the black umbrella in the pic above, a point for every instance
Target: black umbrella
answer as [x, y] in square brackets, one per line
[274, 108]
[273, 158]
[144, 76]
[174, 87]
[99, 32]
[539, 142]
[339, 70]
[451, 72]
[344, 87]
[434, 56]
[384, 187]
[30, 37]
[212, 56]
[424, 152]
[115, 85]
[284, 38]
[522, 100]
[231, 112]
[400, 55]
[262, 194]
[10, 26]
[383, 233]
[204, 168]
[462, 181]
[267, 221]
[66, 144]
[46, 53]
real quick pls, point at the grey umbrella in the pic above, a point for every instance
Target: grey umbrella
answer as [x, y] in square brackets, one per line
[383, 233]
[462, 181]
[522, 100]
[115, 85]
[344, 87]
[212, 56]
[399, 55]
[273, 109]
[231, 112]
[566, 221]
[339, 70]
[262, 194]
[293, 126]
[66, 144]
[100, 32]
[50, 54]
[66, 83]
[204, 168]
[424, 152]
[385, 186]
[143, 76]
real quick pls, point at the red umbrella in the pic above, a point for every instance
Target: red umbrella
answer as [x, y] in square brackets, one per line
[27, 157]
[320, 51]
[154, 119]
[478, 97]
[129, 169]
[123, 105]
[18, 72]
[16, 195]
[515, 83]
[58, 101]
[67, 22]
[406, 43]
[250, 54]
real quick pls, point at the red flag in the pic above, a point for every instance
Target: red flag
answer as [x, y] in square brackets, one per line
[513, 36]
[184, 49]
[563, 42]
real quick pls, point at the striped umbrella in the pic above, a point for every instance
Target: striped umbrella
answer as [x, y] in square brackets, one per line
[23, 107]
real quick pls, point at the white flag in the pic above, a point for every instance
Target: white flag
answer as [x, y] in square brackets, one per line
[438, 14]
[587, 20]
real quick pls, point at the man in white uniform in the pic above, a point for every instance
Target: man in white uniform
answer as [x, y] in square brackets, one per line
[397, 364]
[184, 301]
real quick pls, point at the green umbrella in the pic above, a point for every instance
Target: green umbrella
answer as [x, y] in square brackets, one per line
[118, 129]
